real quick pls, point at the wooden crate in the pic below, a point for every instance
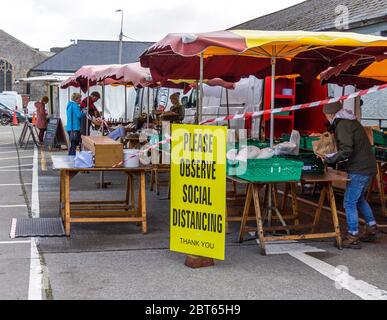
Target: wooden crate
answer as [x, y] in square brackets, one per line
[107, 152]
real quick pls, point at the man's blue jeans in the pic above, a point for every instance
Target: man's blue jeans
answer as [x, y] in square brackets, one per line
[354, 199]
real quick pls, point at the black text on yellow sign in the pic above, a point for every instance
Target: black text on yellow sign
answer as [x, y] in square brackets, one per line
[198, 190]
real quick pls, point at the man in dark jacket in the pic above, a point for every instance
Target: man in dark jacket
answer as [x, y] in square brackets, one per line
[355, 153]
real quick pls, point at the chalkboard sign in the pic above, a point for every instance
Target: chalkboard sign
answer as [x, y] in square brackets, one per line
[55, 135]
[31, 131]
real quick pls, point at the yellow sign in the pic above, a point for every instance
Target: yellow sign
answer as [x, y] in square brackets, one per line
[198, 190]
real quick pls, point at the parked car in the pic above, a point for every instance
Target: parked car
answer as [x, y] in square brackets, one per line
[5, 116]
[19, 115]
[12, 99]
[30, 109]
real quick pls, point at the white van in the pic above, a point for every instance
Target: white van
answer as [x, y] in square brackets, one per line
[12, 99]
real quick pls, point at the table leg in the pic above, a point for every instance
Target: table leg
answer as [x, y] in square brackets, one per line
[319, 208]
[246, 211]
[334, 215]
[258, 217]
[67, 202]
[285, 197]
[381, 188]
[294, 203]
[61, 196]
[275, 195]
[143, 203]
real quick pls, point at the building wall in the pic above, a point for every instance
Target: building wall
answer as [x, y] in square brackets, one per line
[23, 58]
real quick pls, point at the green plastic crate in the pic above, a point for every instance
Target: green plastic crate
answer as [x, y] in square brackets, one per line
[380, 137]
[272, 170]
[312, 164]
[380, 153]
[309, 142]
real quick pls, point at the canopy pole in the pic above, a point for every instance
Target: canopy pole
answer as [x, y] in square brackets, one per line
[273, 62]
[126, 104]
[147, 112]
[87, 109]
[201, 87]
[103, 107]
[228, 109]
[197, 103]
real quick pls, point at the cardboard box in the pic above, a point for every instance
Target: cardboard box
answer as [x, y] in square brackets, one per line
[107, 152]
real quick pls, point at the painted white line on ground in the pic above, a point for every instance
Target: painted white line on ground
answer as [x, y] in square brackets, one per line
[13, 206]
[358, 287]
[15, 242]
[13, 151]
[36, 272]
[342, 279]
[26, 157]
[14, 184]
[16, 170]
[22, 165]
[12, 234]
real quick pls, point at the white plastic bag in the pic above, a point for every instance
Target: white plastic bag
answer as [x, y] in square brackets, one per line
[266, 153]
[249, 152]
[291, 147]
[84, 159]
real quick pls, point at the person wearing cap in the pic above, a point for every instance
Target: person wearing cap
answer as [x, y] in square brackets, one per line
[355, 154]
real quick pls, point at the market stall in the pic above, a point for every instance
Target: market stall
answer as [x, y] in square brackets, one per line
[231, 55]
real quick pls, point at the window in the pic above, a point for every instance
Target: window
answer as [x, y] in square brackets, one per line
[5, 76]
[383, 33]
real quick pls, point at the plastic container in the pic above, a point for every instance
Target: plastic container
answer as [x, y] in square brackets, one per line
[273, 170]
[131, 158]
[312, 164]
[287, 92]
[380, 137]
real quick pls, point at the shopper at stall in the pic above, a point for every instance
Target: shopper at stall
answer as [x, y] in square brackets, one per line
[41, 117]
[93, 111]
[355, 154]
[74, 117]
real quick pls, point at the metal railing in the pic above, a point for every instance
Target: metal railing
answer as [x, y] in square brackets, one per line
[379, 120]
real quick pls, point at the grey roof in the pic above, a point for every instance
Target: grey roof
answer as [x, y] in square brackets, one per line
[319, 15]
[92, 52]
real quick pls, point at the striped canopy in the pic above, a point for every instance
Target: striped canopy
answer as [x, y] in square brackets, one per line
[231, 55]
[363, 73]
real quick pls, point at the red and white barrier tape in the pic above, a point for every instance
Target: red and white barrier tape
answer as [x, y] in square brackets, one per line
[145, 150]
[248, 115]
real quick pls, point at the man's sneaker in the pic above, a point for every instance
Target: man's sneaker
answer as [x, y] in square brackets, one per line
[350, 241]
[369, 234]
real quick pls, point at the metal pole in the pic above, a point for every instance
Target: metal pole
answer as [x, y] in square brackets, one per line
[147, 113]
[197, 104]
[228, 109]
[103, 107]
[121, 37]
[87, 111]
[201, 87]
[273, 62]
[126, 103]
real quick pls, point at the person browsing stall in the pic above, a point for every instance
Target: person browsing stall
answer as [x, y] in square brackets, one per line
[73, 126]
[177, 107]
[41, 117]
[355, 154]
[93, 111]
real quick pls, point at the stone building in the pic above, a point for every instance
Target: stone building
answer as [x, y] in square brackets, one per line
[16, 61]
